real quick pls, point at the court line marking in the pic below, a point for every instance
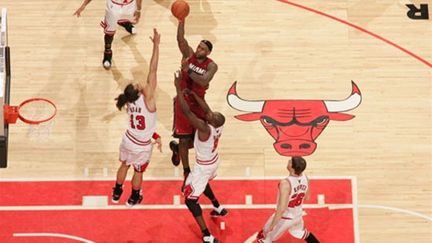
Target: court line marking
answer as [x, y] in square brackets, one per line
[72, 237]
[209, 206]
[158, 206]
[355, 210]
[170, 178]
[360, 29]
[369, 206]
[252, 238]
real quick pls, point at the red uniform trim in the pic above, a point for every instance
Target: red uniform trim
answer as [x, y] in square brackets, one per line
[122, 4]
[208, 162]
[135, 140]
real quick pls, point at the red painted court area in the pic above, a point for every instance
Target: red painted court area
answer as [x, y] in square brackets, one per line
[173, 224]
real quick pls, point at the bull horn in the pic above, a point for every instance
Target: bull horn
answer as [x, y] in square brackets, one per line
[240, 104]
[349, 103]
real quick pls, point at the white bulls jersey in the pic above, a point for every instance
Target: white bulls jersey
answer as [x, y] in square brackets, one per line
[121, 2]
[299, 186]
[207, 151]
[141, 124]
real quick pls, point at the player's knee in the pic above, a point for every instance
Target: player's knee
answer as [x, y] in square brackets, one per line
[140, 168]
[194, 207]
[124, 165]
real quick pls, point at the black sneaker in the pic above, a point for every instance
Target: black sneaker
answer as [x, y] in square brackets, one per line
[133, 200]
[210, 239]
[175, 158]
[117, 192]
[106, 62]
[129, 27]
[215, 213]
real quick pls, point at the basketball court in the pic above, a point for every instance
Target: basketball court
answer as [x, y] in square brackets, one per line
[370, 165]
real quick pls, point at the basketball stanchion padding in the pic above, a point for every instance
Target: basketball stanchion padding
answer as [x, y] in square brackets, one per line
[37, 112]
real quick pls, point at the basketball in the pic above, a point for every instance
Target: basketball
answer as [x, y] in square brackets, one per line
[180, 9]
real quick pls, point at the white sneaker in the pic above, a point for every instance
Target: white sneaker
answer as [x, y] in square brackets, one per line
[134, 30]
[107, 64]
[210, 239]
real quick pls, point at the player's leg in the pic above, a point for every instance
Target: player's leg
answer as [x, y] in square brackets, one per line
[109, 24]
[276, 232]
[195, 186]
[107, 59]
[139, 168]
[184, 144]
[127, 25]
[298, 231]
[311, 238]
[218, 210]
[127, 20]
[140, 160]
[183, 130]
[121, 176]
[135, 197]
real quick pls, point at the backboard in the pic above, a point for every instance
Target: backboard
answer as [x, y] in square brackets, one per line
[4, 86]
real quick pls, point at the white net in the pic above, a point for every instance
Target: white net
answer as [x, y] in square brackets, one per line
[40, 132]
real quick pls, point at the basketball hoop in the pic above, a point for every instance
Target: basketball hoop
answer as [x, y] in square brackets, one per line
[37, 112]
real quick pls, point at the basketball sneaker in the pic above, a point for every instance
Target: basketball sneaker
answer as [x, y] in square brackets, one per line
[117, 192]
[129, 27]
[210, 239]
[134, 199]
[175, 158]
[106, 62]
[218, 212]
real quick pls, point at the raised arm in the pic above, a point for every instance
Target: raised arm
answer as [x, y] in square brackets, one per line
[200, 101]
[307, 196]
[150, 87]
[283, 198]
[199, 124]
[183, 45]
[204, 79]
[81, 8]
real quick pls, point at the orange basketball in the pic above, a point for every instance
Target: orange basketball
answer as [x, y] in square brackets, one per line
[180, 9]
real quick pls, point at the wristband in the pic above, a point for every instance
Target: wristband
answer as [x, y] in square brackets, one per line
[155, 136]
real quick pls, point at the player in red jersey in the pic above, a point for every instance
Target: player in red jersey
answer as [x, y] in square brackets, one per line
[197, 72]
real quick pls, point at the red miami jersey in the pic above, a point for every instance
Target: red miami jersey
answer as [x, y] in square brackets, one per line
[299, 187]
[198, 68]
[207, 151]
[141, 124]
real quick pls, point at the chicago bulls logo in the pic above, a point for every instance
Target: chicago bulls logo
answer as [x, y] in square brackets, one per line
[294, 124]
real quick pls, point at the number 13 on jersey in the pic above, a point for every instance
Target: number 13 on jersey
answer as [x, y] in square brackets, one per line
[137, 122]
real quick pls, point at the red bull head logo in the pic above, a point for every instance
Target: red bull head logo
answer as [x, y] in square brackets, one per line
[294, 124]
